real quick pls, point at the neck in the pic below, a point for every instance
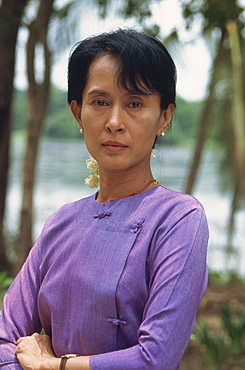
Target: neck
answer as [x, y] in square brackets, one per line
[116, 187]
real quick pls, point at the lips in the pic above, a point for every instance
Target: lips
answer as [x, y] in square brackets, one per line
[114, 146]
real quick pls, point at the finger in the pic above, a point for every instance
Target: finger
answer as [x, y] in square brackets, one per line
[37, 336]
[47, 339]
[20, 347]
[45, 344]
[21, 339]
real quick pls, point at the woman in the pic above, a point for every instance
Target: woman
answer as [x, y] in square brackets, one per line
[117, 277]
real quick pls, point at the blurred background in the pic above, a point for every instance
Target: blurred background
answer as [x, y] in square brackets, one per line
[43, 157]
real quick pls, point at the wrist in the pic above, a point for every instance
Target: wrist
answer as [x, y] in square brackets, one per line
[65, 358]
[51, 364]
[78, 363]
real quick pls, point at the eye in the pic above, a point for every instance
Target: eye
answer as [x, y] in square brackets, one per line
[100, 103]
[135, 104]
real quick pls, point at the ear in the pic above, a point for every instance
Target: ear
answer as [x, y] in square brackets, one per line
[76, 111]
[166, 117]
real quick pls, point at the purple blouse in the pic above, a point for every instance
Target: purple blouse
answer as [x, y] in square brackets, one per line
[121, 282]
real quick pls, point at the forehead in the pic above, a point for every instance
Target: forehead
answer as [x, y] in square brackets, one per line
[102, 75]
[107, 69]
[104, 64]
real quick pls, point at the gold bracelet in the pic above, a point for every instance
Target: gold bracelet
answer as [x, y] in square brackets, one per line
[64, 359]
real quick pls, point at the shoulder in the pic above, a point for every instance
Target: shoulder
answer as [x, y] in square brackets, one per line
[166, 208]
[61, 225]
[77, 205]
[70, 212]
[172, 201]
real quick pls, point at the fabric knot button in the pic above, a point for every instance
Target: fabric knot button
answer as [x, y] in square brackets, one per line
[116, 322]
[140, 222]
[136, 227]
[103, 214]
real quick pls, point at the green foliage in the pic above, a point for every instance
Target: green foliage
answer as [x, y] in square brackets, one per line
[103, 6]
[225, 278]
[235, 329]
[213, 13]
[137, 9]
[223, 348]
[216, 349]
[63, 13]
[218, 19]
[5, 282]
[58, 100]
[19, 115]
[185, 121]
[61, 124]
[218, 12]
[153, 31]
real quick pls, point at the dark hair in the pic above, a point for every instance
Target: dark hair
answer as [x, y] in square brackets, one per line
[144, 64]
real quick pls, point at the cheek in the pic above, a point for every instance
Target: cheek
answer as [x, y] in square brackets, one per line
[149, 130]
[146, 140]
[84, 115]
[91, 121]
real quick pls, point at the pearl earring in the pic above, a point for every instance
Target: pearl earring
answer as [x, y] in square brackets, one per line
[81, 130]
[162, 133]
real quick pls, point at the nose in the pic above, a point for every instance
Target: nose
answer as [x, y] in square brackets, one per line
[115, 119]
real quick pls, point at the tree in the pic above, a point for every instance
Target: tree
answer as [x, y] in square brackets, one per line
[38, 99]
[225, 98]
[11, 12]
[205, 119]
[215, 15]
[237, 124]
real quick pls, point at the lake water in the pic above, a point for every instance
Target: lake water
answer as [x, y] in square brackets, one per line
[60, 179]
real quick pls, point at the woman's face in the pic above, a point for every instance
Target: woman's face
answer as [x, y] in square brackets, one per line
[119, 127]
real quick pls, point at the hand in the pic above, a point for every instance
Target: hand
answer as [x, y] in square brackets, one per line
[35, 352]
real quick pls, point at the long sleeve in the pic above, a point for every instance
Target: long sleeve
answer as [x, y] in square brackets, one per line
[178, 278]
[19, 316]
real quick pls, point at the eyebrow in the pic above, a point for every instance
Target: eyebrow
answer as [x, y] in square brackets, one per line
[105, 93]
[100, 92]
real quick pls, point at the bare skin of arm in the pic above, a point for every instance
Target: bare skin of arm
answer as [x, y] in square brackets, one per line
[35, 352]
